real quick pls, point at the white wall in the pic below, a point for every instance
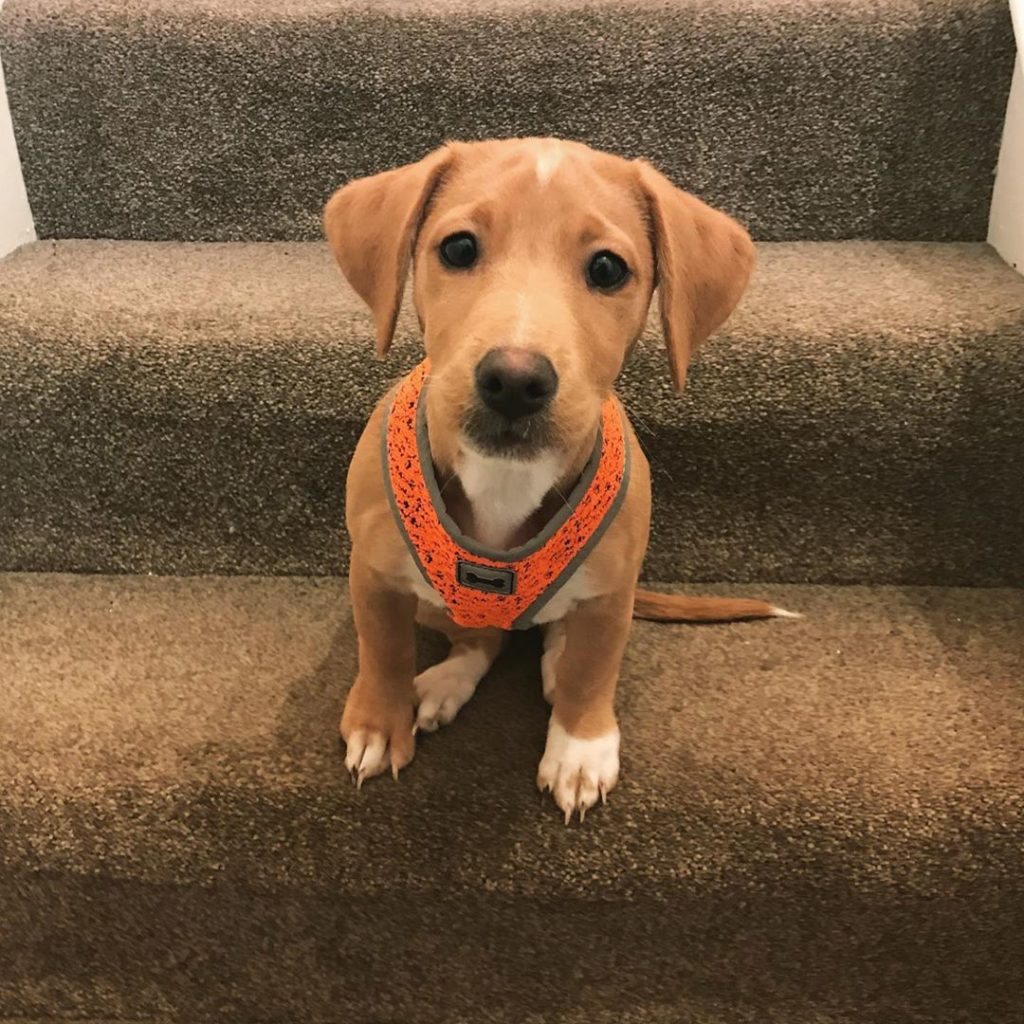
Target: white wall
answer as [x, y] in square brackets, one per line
[1006, 219]
[15, 217]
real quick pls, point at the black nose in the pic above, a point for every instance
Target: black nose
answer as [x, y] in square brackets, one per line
[515, 383]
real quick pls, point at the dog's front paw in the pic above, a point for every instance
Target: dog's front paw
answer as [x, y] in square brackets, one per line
[578, 772]
[376, 739]
[442, 690]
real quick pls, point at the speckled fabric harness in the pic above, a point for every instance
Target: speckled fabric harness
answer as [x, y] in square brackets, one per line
[479, 586]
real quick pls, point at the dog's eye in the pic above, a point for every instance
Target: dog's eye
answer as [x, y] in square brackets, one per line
[606, 270]
[458, 251]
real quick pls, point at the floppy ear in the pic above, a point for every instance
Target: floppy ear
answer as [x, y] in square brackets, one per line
[703, 262]
[371, 226]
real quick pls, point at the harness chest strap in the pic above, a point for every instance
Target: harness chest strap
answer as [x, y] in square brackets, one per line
[482, 587]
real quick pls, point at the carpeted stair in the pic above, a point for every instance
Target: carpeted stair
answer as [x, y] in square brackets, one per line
[191, 408]
[819, 822]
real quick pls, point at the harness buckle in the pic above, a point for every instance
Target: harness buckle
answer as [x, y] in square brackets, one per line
[485, 578]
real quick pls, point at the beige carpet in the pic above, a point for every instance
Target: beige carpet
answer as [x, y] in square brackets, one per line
[818, 820]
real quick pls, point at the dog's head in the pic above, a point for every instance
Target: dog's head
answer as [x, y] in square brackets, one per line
[534, 262]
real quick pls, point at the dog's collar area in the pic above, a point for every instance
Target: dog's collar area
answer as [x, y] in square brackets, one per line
[482, 586]
[521, 551]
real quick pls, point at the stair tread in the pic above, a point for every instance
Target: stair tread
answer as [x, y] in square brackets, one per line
[188, 408]
[870, 740]
[174, 292]
[817, 819]
[237, 119]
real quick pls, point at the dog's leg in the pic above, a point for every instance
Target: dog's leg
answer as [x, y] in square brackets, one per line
[377, 724]
[442, 689]
[554, 645]
[581, 759]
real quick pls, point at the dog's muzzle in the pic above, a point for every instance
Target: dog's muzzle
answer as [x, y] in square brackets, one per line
[514, 389]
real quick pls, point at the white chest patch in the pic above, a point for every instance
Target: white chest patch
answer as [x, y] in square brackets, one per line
[504, 492]
[578, 587]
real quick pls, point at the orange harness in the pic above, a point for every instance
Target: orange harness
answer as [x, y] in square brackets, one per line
[481, 587]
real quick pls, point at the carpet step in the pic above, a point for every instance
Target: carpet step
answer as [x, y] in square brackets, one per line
[227, 120]
[818, 819]
[185, 408]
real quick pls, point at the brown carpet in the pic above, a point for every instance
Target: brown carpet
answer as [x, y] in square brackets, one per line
[819, 821]
[234, 120]
[183, 408]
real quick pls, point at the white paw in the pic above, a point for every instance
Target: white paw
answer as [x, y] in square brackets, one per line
[366, 755]
[578, 772]
[554, 645]
[442, 690]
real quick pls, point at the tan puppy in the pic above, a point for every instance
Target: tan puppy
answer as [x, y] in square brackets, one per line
[537, 260]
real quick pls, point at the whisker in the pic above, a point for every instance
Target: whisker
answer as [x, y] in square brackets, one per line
[565, 500]
[441, 489]
[656, 466]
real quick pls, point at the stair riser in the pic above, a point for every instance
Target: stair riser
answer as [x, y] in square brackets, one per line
[850, 464]
[233, 953]
[807, 121]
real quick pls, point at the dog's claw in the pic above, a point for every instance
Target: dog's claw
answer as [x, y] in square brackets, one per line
[394, 772]
[367, 755]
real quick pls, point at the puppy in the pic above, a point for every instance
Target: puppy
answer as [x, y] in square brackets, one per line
[500, 484]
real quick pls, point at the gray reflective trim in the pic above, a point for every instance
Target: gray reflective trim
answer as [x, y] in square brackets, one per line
[452, 529]
[525, 619]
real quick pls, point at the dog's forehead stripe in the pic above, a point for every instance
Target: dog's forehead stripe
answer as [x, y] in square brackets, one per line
[548, 159]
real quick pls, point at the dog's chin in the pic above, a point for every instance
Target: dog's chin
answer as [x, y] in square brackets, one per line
[495, 436]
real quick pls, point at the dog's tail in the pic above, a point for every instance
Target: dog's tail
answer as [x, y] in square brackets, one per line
[679, 608]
